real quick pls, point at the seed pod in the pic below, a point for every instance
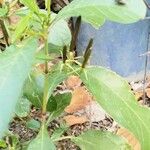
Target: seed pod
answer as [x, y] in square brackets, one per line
[75, 34]
[64, 54]
[87, 53]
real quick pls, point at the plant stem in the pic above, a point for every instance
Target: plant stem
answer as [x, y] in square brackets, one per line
[48, 6]
[75, 34]
[50, 118]
[46, 89]
[13, 3]
[45, 95]
[46, 54]
[5, 33]
[63, 138]
[4, 30]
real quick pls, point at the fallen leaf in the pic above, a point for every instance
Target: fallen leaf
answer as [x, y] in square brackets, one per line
[80, 99]
[94, 112]
[14, 19]
[1, 34]
[130, 138]
[72, 120]
[1, 1]
[138, 95]
[73, 82]
[136, 86]
[148, 92]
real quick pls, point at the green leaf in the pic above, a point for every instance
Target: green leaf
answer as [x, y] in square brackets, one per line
[41, 57]
[3, 11]
[15, 64]
[3, 144]
[55, 78]
[33, 88]
[52, 103]
[23, 107]
[33, 124]
[100, 140]
[32, 5]
[59, 34]
[22, 25]
[96, 11]
[113, 93]
[55, 49]
[57, 104]
[42, 141]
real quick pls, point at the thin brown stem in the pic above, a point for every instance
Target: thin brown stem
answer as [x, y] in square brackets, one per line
[75, 34]
[5, 33]
[147, 4]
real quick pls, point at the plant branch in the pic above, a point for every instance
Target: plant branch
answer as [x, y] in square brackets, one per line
[5, 33]
[48, 6]
[63, 138]
[147, 4]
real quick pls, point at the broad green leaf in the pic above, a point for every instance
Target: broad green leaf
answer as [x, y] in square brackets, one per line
[59, 34]
[55, 77]
[42, 141]
[33, 88]
[22, 25]
[15, 64]
[3, 11]
[33, 124]
[23, 107]
[54, 49]
[96, 11]
[114, 95]
[52, 103]
[3, 144]
[32, 5]
[100, 140]
[57, 104]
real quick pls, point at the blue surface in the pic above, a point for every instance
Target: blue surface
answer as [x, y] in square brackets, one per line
[117, 46]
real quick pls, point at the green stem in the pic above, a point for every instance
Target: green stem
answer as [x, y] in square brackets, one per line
[45, 95]
[63, 138]
[13, 3]
[48, 7]
[50, 118]
[46, 89]
[46, 54]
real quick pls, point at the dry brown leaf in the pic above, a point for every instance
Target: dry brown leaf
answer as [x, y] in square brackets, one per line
[1, 1]
[72, 120]
[14, 19]
[1, 34]
[73, 82]
[130, 138]
[80, 99]
[138, 94]
[148, 92]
